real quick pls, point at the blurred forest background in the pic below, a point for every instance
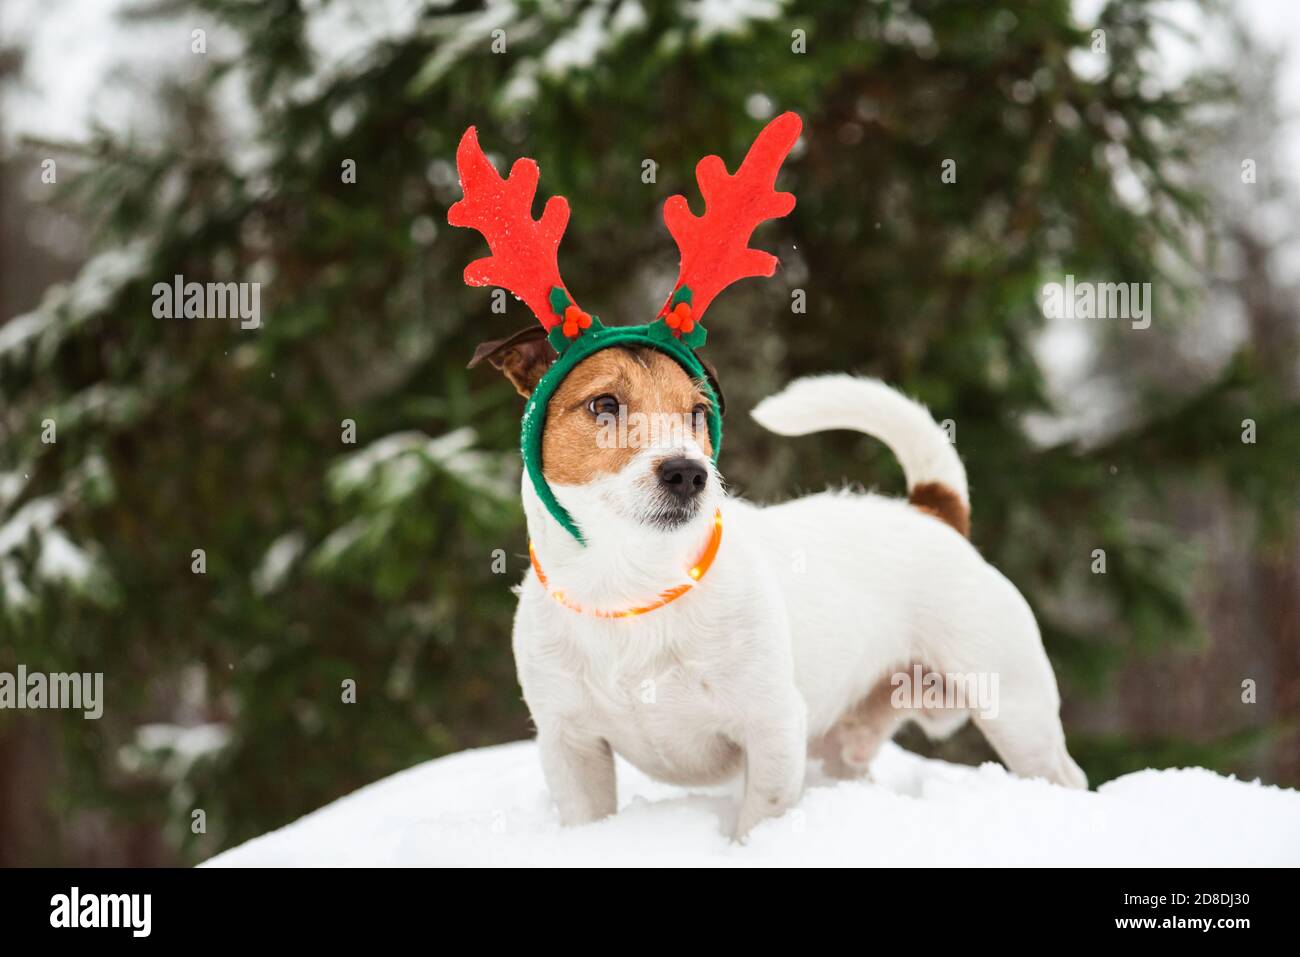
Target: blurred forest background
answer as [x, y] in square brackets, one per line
[373, 561]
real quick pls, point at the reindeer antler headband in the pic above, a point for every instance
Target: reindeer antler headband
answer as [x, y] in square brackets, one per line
[714, 248]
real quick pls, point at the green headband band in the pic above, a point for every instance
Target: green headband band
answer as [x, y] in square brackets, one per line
[653, 335]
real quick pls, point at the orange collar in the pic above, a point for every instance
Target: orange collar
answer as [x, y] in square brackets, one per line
[696, 572]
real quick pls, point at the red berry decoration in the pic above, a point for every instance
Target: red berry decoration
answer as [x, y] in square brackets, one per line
[574, 321]
[680, 320]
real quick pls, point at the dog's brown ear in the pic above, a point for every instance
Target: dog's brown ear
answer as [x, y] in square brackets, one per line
[711, 373]
[523, 358]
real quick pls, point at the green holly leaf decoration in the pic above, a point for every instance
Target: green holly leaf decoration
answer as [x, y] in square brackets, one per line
[659, 330]
[696, 337]
[559, 301]
[558, 340]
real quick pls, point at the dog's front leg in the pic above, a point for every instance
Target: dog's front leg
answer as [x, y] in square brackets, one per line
[776, 750]
[579, 770]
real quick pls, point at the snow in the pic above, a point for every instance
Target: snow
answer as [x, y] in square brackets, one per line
[342, 36]
[597, 31]
[61, 560]
[15, 594]
[490, 807]
[71, 49]
[19, 330]
[581, 47]
[396, 465]
[718, 17]
[460, 34]
[33, 518]
[66, 305]
[173, 748]
[278, 562]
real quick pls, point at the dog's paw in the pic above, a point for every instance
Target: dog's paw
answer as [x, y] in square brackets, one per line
[1069, 774]
[744, 825]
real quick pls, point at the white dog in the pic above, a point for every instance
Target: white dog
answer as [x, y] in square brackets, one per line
[779, 637]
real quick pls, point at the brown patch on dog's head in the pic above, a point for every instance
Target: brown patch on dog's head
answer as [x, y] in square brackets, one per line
[640, 380]
[523, 358]
[943, 503]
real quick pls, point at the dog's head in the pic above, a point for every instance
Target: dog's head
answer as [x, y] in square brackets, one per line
[626, 438]
[629, 435]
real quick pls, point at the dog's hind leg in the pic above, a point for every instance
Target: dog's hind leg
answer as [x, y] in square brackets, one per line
[1032, 744]
[1011, 689]
[1023, 723]
[849, 747]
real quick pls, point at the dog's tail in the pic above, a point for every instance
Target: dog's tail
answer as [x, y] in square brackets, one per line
[936, 480]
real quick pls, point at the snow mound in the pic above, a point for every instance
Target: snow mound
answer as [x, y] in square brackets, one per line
[490, 807]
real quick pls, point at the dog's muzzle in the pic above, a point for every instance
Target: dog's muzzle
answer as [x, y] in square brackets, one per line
[681, 483]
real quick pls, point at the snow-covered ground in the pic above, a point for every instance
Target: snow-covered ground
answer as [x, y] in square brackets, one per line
[490, 807]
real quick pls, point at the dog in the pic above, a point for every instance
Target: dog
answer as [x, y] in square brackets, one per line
[807, 610]
[692, 632]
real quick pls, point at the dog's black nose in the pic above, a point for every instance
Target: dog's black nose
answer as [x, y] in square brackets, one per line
[685, 478]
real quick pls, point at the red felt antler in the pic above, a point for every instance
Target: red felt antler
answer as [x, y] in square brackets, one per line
[715, 247]
[524, 250]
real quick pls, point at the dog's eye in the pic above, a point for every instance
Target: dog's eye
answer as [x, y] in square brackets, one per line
[603, 405]
[700, 411]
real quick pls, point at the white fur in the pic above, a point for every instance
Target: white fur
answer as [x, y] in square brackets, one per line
[808, 606]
